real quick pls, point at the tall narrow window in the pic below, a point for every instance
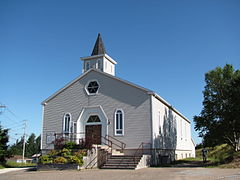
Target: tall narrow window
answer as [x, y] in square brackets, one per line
[105, 64]
[98, 64]
[119, 122]
[87, 66]
[66, 123]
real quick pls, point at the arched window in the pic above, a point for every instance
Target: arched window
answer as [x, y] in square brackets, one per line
[67, 123]
[119, 122]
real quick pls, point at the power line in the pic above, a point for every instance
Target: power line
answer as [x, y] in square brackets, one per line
[14, 121]
[12, 112]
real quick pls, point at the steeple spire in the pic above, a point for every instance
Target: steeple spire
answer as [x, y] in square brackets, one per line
[99, 46]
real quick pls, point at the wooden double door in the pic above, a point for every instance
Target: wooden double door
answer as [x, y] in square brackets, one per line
[93, 134]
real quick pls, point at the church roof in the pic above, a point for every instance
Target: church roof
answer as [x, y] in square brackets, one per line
[116, 78]
[99, 46]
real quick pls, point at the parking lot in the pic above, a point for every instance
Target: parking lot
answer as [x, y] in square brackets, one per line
[147, 173]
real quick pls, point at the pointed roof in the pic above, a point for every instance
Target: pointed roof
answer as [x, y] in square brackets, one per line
[99, 46]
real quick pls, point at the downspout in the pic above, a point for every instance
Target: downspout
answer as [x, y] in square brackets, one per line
[43, 106]
[152, 135]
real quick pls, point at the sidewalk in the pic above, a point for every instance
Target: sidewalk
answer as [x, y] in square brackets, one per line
[5, 170]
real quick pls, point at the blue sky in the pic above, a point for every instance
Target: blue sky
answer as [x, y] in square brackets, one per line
[165, 46]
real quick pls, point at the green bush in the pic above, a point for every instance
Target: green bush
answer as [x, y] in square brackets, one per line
[46, 159]
[60, 160]
[70, 145]
[53, 153]
[65, 152]
[80, 153]
[75, 160]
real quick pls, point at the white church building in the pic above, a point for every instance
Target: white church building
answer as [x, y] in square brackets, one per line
[98, 107]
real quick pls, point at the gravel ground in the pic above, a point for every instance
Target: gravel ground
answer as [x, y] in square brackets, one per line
[146, 174]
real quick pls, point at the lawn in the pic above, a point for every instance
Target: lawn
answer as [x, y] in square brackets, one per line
[220, 156]
[12, 164]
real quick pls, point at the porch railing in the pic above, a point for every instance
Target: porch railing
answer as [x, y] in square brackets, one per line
[103, 157]
[140, 150]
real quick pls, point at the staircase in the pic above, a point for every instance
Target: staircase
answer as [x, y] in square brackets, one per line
[112, 158]
[121, 162]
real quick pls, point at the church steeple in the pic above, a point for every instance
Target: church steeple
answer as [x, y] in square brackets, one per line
[99, 46]
[99, 59]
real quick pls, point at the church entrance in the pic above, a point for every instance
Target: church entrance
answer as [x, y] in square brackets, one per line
[92, 125]
[93, 131]
[93, 134]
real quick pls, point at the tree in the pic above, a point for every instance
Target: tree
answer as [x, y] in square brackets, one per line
[17, 147]
[219, 120]
[32, 146]
[3, 145]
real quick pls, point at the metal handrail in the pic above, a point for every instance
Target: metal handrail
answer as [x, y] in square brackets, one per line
[95, 158]
[123, 145]
[109, 147]
[139, 148]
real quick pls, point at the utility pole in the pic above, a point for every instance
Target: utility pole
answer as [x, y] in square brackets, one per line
[24, 138]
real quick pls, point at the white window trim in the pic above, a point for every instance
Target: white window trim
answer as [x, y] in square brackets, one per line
[91, 94]
[115, 123]
[106, 65]
[93, 123]
[70, 123]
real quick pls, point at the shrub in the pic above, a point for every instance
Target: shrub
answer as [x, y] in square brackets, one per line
[60, 160]
[45, 159]
[65, 152]
[70, 145]
[75, 160]
[80, 153]
[58, 143]
[53, 153]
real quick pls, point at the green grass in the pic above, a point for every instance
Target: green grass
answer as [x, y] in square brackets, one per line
[220, 156]
[1, 166]
[12, 164]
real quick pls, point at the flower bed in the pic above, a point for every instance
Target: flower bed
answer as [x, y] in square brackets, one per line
[65, 158]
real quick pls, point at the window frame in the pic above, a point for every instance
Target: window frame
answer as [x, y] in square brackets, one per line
[69, 124]
[86, 87]
[88, 65]
[98, 64]
[115, 123]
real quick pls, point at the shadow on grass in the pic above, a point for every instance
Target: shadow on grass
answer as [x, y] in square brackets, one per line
[190, 163]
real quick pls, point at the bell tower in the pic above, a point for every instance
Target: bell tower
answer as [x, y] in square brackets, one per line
[99, 59]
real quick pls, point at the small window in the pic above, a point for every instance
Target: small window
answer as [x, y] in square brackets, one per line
[92, 87]
[105, 64]
[119, 122]
[87, 66]
[67, 123]
[94, 118]
[98, 64]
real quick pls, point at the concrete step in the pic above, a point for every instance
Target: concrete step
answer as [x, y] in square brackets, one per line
[117, 152]
[121, 162]
[118, 167]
